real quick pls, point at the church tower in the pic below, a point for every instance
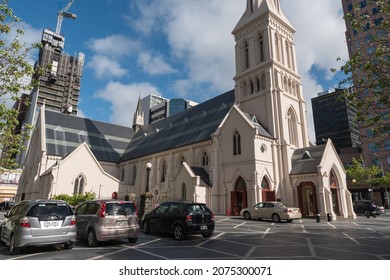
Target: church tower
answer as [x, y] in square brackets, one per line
[267, 83]
[138, 120]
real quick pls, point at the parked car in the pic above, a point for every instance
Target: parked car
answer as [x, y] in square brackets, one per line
[180, 219]
[365, 207]
[276, 211]
[6, 205]
[38, 223]
[103, 220]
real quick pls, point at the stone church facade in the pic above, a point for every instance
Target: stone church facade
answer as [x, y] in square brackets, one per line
[244, 146]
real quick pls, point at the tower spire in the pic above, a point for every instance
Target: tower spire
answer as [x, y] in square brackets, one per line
[138, 120]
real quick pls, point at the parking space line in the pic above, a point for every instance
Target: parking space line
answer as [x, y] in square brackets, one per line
[265, 233]
[240, 225]
[331, 225]
[208, 240]
[311, 248]
[223, 220]
[303, 229]
[351, 238]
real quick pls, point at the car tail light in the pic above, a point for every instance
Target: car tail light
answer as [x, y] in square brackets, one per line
[212, 216]
[73, 221]
[25, 222]
[189, 218]
[102, 212]
[288, 210]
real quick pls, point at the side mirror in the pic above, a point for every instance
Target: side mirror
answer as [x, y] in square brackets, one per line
[6, 214]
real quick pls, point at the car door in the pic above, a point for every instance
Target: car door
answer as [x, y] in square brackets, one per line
[258, 211]
[11, 222]
[81, 220]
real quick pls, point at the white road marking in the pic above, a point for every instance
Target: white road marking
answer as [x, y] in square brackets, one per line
[351, 238]
[331, 225]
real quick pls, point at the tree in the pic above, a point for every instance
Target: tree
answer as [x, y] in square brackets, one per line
[358, 173]
[14, 67]
[368, 69]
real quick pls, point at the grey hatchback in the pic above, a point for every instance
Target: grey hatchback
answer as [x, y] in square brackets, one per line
[102, 220]
[38, 223]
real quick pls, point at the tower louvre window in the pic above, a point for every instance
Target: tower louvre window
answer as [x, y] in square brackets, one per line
[236, 143]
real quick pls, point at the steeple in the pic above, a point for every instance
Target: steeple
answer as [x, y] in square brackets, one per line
[138, 120]
[267, 83]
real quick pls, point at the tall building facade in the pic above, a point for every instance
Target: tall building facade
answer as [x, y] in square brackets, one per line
[360, 41]
[335, 118]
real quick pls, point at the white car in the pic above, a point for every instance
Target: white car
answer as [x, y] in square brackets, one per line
[274, 210]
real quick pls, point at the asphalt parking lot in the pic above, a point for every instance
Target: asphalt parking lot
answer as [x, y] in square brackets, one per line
[238, 239]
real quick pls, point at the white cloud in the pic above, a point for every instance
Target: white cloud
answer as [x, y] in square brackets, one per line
[105, 67]
[154, 65]
[124, 98]
[114, 46]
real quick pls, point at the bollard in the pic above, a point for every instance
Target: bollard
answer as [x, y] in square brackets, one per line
[318, 218]
[374, 214]
[368, 214]
[329, 217]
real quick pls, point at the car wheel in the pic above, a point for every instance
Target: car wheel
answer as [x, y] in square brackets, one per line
[207, 234]
[178, 232]
[133, 240]
[146, 227]
[247, 216]
[92, 240]
[12, 249]
[289, 220]
[275, 218]
[69, 245]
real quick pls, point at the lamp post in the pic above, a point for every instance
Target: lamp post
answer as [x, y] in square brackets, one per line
[148, 168]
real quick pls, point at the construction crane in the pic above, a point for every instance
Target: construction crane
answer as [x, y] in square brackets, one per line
[64, 13]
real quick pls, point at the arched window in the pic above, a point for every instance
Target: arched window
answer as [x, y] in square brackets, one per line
[246, 49]
[292, 127]
[240, 185]
[163, 171]
[288, 55]
[258, 87]
[277, 51]
[236, 143]
[78, 185]
[265, 184]
[244, 89]
[123, 174]
[183, 191]
[134, 175]
[252, 87]
[261, 43]
[262, 82]
[205, 159]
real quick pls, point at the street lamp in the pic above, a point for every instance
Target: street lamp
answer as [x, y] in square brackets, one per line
[148, 168]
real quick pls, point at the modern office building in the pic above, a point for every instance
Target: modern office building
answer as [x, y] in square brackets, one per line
[335, 118]
[361, 41]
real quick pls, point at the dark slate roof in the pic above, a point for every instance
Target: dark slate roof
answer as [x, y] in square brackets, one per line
[64, 133]
[193, 125]
[187, 127]
[202, 173]
[306, 160]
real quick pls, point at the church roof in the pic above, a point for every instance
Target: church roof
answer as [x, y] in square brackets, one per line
[202, 173]
[187, 127]
[64, 133]
[306, 160]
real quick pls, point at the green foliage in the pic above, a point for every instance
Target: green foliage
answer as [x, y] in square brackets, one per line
[368, 68]
[14, 67]
[76, 199]
[358, 173]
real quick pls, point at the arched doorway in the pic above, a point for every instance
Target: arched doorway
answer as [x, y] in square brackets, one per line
[334, 190]
[238, 197]
[266, 194]
[307, 199]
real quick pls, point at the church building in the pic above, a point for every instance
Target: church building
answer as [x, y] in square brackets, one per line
[244, 146]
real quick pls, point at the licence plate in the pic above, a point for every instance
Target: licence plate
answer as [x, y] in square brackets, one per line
[121, 223]
[51, 224]
[203, 227]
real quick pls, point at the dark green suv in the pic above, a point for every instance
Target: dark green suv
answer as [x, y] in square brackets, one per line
[180, 219]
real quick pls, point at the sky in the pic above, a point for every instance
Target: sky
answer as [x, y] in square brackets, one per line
[176, 48]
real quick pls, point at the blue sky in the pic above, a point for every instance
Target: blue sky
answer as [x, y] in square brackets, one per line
[175, 48]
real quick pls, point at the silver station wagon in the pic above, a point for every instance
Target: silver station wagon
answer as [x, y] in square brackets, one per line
[38, 223]
[103, 220]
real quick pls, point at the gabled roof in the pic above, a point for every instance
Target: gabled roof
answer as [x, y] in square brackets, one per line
[202, 173]
[64, 133]
[306, 160]
[188, 127]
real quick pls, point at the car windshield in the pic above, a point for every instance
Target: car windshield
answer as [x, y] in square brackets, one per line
[120, 209]
[49, 211]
